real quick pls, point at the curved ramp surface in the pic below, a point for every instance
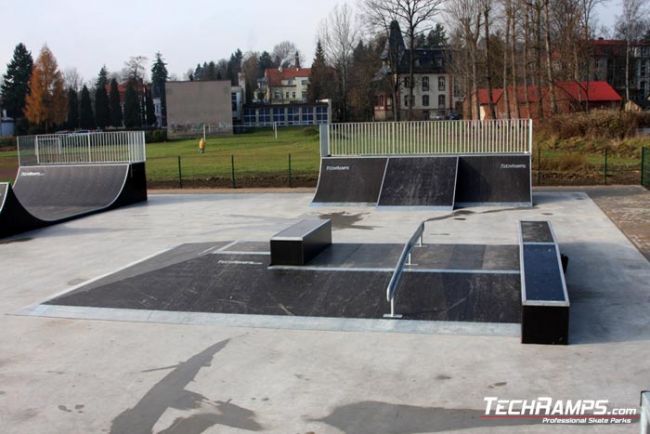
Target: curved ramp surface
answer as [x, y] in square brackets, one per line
[45, 195]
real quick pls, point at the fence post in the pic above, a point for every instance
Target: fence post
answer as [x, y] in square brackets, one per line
[290, 172]
[232, 170]
[180, 173]
[539, 165]
[605, 168]
[643, 163]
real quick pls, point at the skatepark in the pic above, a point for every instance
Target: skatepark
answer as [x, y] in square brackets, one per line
[179, 314]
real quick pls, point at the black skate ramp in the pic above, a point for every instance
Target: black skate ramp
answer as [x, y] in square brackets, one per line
[345, 281]
[494, 179]
[420, 181]
[44, 195]
[350, 180]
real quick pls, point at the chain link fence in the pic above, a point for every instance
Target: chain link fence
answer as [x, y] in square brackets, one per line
[645, 167]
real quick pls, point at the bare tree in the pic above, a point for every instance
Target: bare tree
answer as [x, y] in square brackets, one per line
[465, 16]
[630, 25]
[486, 9]
[413, 15]
[284, 53]
[135, 68]
[339, 34]
[72, 79]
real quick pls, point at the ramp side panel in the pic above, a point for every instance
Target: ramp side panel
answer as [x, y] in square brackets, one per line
[494, 179]
[419, 181]
[353, 180]
[135, 187]
[14, 218]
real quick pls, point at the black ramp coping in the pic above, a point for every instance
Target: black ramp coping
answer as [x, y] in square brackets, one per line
[536, 232]
[419, 181]
[542, 273]
[494, 179]
[350, 180]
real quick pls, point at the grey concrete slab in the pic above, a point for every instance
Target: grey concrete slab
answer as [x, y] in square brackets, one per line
[70, 375]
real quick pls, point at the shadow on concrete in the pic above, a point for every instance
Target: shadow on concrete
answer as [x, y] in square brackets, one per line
[170, 392]
[371, 417]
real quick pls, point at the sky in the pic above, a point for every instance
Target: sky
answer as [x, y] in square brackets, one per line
[88, 34]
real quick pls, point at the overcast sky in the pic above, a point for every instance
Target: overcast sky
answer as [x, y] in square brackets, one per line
[88, 34]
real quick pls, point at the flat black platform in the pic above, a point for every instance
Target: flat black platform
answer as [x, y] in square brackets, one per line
[45, 195]
[445, 282]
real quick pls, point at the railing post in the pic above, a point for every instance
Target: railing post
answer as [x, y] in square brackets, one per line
[180, 173]
[290, 171]
[539, 165]
[90, 157]
[643, 157]
[232, 170]
[605, 168]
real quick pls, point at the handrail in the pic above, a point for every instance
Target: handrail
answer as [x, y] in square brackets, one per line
[391, 289]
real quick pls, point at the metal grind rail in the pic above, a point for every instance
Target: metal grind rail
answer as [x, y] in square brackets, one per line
[404, 259]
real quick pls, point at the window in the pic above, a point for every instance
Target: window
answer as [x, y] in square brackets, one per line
[321, 115]
[406, 82]
[425, 100]
[425, 84]
[406, 100]
[442, 83]
[441, 101]
[293, 95]
[278, 115]
[233, 101]
[380, 100]
[287, 95]
[293, 115]
[307, 115]
[305, 82]
[277, 95]
[265, 116]
[249, 116]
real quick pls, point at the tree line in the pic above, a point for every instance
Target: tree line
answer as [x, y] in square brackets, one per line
[42, 98]
[489, 44]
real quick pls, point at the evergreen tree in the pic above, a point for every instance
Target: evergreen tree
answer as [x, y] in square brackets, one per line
[115, 106]
[234, 67]
[159, 75]
[198, 72]
[437, 37]
[132, 114]
[322, 80]
[73, 109]
[265, 62]
[102, 108]
[86, 117]
[209, 71]
[150, 111]
[15, 85]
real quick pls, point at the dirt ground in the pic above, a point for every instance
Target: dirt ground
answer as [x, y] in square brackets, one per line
[628, 206]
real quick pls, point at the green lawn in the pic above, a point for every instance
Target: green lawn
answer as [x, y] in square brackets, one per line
[255, 153]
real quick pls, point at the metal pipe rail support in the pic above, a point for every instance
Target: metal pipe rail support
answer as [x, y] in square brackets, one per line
[404, 259]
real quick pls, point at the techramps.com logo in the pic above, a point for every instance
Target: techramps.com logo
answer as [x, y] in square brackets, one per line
[337, 168]
[559, 411]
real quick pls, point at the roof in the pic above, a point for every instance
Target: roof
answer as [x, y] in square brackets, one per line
[427, 60]
[274, 76]
[593, 91]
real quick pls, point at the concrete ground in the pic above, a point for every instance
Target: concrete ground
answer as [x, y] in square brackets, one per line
[80, 376]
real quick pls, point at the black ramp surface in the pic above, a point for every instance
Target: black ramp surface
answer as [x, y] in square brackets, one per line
[44, 195]
[243, 284]
[350, 180]
[536, 232]
[494, 179]
[542, 273]
[419, 181]
[58, 192]
[460, 297]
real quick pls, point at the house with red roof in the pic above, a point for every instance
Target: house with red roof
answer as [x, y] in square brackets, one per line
[531, 101]
[284, 85]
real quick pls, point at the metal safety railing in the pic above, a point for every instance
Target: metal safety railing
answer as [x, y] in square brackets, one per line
[404, 259]
[501, 136]
[645, 412]
[82, 148]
